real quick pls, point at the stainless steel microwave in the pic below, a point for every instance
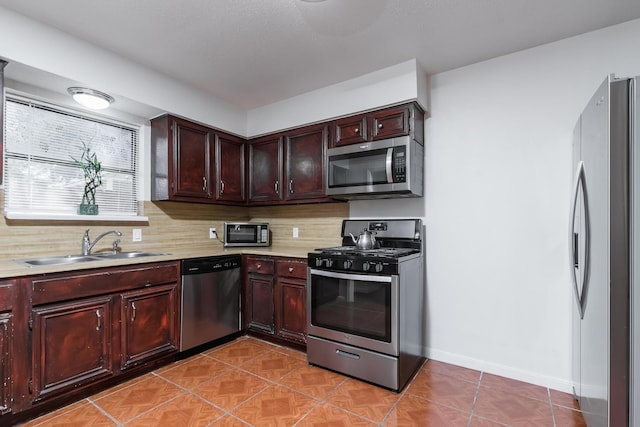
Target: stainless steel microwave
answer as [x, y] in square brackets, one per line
[246, 234]
[378, 169]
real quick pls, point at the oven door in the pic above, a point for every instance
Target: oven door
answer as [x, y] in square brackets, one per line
[356, 309]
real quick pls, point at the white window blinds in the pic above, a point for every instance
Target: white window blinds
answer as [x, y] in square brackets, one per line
[41, 176]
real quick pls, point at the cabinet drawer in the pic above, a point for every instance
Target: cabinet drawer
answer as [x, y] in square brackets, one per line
[292, 268]
[260, 266]
[97, 282]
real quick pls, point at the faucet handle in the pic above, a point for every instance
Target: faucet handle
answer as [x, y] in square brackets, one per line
[116, 248]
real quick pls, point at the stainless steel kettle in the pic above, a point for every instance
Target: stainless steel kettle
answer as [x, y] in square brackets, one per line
[366, 240]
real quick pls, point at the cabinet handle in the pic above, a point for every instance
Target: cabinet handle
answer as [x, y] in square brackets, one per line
[204, 183]
[290, 269]
[356, 130]
[379, 125]
[99, 316]
[275, 186]
[258, 267]
[133, 311]
[291, 186]
[221, 187]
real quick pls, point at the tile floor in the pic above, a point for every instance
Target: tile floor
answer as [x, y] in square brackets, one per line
[249, 382]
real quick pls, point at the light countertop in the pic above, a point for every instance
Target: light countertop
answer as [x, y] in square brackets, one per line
[10, 268]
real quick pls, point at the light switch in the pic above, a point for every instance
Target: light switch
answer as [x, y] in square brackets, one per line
[137, 235]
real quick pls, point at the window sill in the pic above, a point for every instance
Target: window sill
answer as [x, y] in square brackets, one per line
[72, 217]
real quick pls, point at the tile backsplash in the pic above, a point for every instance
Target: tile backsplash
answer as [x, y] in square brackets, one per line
[174, 226]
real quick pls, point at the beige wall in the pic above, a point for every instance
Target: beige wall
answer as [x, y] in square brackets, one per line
[174, 226]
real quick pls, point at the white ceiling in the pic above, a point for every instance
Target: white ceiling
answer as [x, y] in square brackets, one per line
[255, 52]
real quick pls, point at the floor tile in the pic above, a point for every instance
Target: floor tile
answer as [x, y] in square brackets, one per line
[413, 411]
[514, 386]
[292, 353]
[272, 365]
[509, 408]
[231, 389]
[564, 399]
[275, 406]
[326, 415]
[445, 390]
[128, 402]
[56, 413]
[185, 411]
[195, 372]
[122, 386]
[313, 380]
[482, 422]
[364, 399]
[239, 352]
[229, 421]
[80, 415]
[566, 417]
[451, 370]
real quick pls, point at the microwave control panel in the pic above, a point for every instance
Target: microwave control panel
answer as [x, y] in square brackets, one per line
[400, 164]
[264, 234]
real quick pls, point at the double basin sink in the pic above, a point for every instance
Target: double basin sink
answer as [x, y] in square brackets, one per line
[76, 259]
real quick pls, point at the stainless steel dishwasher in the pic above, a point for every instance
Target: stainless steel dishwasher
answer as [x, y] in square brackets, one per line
[210, 299]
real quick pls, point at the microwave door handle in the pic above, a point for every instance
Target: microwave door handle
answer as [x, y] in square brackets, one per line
[389, 163]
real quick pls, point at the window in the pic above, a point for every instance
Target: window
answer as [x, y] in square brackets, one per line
[41, 178]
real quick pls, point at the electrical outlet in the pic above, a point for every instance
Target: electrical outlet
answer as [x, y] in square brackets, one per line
[212, 233]
[137, 235]
[295, 232]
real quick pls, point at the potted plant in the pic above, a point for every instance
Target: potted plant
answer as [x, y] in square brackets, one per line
[92, 170]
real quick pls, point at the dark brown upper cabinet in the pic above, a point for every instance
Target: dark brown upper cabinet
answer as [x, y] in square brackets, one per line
[407, 119]
[194, 163]
[230, 173]
[288, 166]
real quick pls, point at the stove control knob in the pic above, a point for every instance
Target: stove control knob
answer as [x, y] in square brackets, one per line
[365, 266]
[328, 262]
[378, 267]
[347, 264]
[318, 262]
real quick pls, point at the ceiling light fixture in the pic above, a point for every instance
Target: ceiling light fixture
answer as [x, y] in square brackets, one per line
[91, 98]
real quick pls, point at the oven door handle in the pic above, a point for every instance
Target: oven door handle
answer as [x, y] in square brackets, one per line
[351, 276]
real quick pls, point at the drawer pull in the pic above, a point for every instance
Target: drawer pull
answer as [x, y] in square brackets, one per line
[290, 269]
[258, 267]
[133, 311]
[347, 354]
[99, 322]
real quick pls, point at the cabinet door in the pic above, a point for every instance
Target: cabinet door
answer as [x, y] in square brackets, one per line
[291, 309]
[390, 123]
[265, 169]
[350, 130]
[306, 152]
[6, 343]
[71, 345]
[191, 160]
[230, 168]
[149, 325]
[259, 303]
[6, 334]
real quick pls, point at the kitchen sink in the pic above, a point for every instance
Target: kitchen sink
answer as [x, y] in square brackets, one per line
[76, 259]
[127, 255]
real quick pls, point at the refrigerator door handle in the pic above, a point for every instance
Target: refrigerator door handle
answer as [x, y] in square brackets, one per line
[580, 182]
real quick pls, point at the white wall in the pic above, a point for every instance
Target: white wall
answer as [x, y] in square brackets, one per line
[498, 178]
[391, 85]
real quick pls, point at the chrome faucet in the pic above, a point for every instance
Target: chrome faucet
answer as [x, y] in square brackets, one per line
[87, 245]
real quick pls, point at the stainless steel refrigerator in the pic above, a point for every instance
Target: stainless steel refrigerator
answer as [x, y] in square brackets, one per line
[604, 244]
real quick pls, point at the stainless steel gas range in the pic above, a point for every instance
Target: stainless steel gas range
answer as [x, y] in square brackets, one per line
[366, 306]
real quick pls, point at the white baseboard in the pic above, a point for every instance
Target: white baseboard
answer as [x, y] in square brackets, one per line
[554, 383]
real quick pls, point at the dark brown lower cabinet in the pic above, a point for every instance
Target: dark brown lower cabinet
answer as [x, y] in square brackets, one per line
[71, 345]
[7, 350]
[276, 298]
[90, 326]
[147, 319]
